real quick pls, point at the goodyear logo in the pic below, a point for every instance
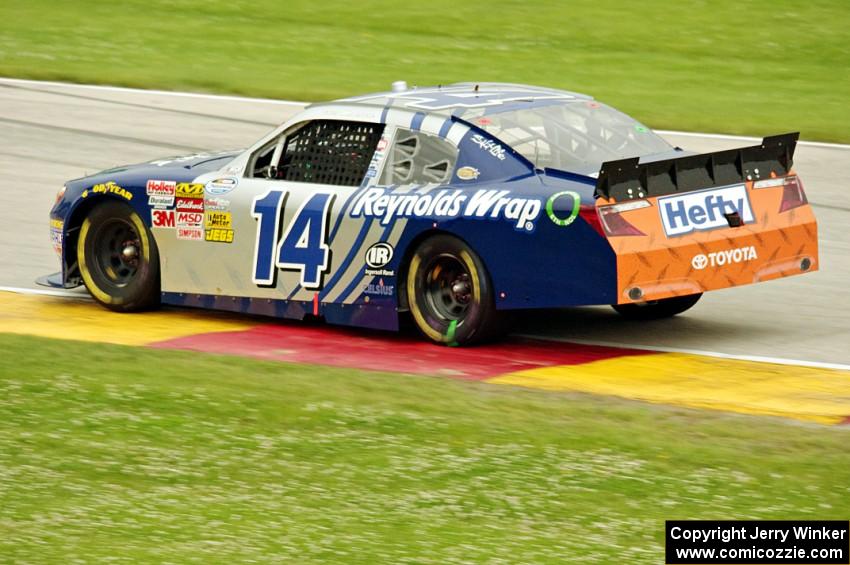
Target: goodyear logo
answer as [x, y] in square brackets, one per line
[219, 236]
[189, 190]
[109, 188]
[222, 220]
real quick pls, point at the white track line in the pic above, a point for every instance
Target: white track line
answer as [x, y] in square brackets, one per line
[755, 358]
[6, 80]
[46, 292]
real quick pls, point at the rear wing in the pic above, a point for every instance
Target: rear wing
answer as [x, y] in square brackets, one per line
[628, 179]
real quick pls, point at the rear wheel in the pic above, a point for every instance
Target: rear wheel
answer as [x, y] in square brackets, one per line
[450, 295]
[118, 258]
[657, 309]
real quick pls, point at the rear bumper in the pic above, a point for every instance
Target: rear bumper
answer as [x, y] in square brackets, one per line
[746, 255]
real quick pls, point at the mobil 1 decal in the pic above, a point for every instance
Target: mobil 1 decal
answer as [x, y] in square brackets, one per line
[300, 246]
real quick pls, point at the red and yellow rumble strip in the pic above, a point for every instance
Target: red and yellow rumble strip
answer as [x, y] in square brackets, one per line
[803, 393]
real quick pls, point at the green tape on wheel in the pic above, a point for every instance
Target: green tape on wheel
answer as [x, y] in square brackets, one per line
[550, 208]
[450, 333]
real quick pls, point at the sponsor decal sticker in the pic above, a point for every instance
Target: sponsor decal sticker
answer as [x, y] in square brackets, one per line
[468, 173]
[57, 228]
[216, 204]
[189, 190]
[189, 219]
[219, 235]
[379, 289]
[190, 205]
[160, 188]
[704, 210]
[561, 219]
[221, 186]
[162, 218]
[109, 188]
[377, 257]
[219, 220]
[196, 234]
[725, 257]
[493, 148]
[387, 206]
[160, 201]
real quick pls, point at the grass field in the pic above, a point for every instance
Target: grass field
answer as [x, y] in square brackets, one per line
[735, 66]
[142, 455]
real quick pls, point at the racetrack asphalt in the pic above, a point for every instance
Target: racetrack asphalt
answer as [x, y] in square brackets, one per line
[53, 133]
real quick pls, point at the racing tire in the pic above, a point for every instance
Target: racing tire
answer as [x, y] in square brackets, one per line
[118, 258]
[657, 309]
[450, 295]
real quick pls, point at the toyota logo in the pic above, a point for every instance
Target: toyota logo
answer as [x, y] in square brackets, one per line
[699, 262]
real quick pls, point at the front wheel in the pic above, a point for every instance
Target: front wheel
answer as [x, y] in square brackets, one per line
[657, 309]
[118, 258]
[450, 295]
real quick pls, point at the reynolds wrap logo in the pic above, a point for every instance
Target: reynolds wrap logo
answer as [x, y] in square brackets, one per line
[494, 204]
[704, 210]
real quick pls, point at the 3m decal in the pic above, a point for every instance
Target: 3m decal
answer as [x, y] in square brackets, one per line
[162, 218]
[388, 206]
[219, 235]
[189, 190]
[303, 246]
[574, 206]
[110, 188]
[704, 210]
[725, 257]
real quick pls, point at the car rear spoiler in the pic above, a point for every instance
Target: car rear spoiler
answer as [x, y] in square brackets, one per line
[628, 179]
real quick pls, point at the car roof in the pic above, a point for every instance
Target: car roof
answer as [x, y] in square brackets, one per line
[455, 98]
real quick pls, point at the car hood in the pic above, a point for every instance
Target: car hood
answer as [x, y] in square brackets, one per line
[180, 169]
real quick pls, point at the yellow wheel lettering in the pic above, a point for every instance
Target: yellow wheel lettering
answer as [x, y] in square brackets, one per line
[96, 291]
[414, 307]
[143, 235]
[473, 273]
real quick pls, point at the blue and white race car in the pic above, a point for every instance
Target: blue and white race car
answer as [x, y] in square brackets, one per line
[458, 204]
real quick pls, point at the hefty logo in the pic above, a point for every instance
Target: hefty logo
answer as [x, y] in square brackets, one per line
[704, 210]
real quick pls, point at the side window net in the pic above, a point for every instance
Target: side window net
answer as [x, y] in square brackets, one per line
[329, 152]
[419, 158]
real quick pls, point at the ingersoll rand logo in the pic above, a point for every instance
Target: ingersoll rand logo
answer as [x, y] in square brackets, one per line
[725, 257]
[704, 210]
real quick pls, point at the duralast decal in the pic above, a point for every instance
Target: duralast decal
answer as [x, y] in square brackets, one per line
[387, 206]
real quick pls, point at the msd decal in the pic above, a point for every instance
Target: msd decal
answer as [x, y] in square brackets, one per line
[704, 210]
[493, 204]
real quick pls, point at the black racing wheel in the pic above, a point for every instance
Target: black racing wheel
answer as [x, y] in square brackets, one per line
[657, 309]
[450, 294]
[118, 258]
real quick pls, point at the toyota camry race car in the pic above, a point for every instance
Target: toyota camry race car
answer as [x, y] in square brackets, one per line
[457, 204]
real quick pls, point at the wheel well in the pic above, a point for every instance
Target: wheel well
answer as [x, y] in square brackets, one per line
[72, 232]
[404, 265]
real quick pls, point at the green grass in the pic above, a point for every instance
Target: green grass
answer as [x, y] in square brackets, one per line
[176, 457]
[735, 66]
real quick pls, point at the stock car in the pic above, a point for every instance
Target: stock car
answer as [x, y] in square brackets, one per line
[457, 204]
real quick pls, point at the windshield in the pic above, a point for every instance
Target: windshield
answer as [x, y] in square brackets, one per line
[574, 136]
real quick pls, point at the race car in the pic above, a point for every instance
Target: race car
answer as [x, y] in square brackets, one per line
[458, 204]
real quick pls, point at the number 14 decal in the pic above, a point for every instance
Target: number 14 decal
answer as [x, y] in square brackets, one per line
[303, 246]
